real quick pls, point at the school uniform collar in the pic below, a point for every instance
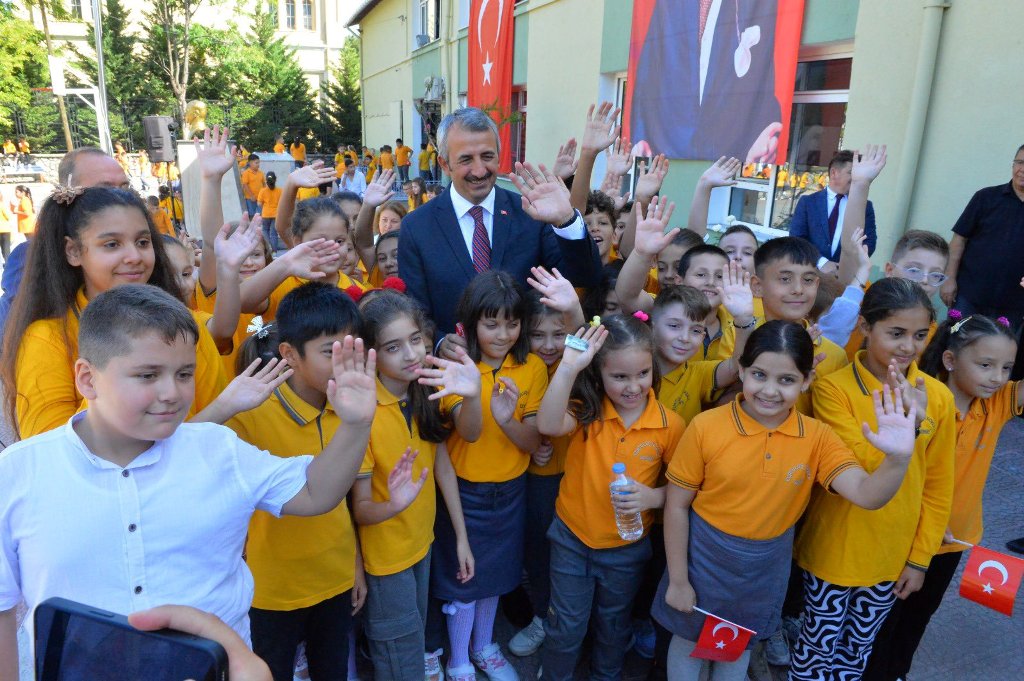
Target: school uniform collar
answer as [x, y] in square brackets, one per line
[298, 409]
[676, 374]
[385, 397]
[508, 363]
[748, 425]
[867, 382]
[653, 415]
[80, 301]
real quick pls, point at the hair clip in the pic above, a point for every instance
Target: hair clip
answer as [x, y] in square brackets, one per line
[66, 194]
[596, 321]
[354, 292]
[393, 283]
[1004, 321]
[956, 327]
[576, 343]
[258, 328]
[641, 315]
[955, 314]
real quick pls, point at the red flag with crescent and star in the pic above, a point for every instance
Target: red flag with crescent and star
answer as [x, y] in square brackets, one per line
[992, 579]
[721, 640]
[491, 38]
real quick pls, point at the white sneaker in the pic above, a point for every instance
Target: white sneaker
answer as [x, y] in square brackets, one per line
[492, 662]
[432, 666]
[463, 673]
[528, 640]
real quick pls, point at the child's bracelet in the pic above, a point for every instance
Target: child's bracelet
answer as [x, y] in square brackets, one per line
[751, 324]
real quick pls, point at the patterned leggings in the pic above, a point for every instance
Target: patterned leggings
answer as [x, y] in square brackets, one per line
[840, 624]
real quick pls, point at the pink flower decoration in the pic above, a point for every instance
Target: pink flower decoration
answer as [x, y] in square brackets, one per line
[641, 315]
[955, 314]
[1004, 321]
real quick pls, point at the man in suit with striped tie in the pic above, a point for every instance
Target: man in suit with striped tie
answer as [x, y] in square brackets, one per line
[474, 226]
[819, 217]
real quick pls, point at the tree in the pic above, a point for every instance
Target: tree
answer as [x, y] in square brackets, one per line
[22, 66]
[344, 104]
[169, 44]
[46, 7]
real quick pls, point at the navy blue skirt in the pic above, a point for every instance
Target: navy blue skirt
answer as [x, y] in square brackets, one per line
[741, 580]
[495, 515]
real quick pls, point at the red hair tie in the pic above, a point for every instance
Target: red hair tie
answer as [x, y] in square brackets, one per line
[393, 283]
[354, 292]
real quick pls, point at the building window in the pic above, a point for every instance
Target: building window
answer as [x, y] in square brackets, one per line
[307, 14]
[272, 13]
[289, 14]
[816, 129]
[428, 21]
[75, 6]
[517, 138]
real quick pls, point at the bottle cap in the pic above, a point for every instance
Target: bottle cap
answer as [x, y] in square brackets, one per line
[618, 468]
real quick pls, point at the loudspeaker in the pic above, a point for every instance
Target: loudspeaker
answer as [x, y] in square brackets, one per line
[159, 141]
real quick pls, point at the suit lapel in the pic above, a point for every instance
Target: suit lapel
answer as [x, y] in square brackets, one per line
[501, 228]
[448, 225]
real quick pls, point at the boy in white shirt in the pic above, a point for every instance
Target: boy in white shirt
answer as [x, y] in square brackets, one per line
[125, 507]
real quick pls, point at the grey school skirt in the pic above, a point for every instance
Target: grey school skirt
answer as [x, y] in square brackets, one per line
[495, 515]
[741, 580]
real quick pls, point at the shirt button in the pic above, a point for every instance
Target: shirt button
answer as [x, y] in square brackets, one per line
[132, 527]
[124, 474]
[622, 439]
[138, 589]
[768, 456]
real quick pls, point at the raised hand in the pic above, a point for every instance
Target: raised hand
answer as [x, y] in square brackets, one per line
[860, 238]
[353, 390]
[619, 157]
[577, 360]
[402, 489]
[213, 154]
[504, 398]
[721, 173]
[601, 128]
[611, 186]
[556, 291]
[460, 377]
[651, 236]
[915, 394]
[232, 248]
[251, 388]
[868, 163]
[565, 162]
[545, 197]
[379, 191]
[737, 297]
[650, 179]
[312, 175]
[542, 455]
[304, 259]
[895, 436]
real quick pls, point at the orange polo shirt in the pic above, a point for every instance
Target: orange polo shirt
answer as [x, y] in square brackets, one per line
[402, 154]
[268, 199]
[386, 161]
[298, 151]
[688, 387]
[493, 457]
[977, 432]
[584, 499]
[753, 482]
[253, 181]
[162, 222]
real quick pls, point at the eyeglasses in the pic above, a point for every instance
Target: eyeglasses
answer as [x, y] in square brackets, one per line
[922, 277]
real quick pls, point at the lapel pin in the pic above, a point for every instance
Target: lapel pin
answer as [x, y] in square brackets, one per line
[504, 212]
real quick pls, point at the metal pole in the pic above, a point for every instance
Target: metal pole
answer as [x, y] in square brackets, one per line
[102, 121]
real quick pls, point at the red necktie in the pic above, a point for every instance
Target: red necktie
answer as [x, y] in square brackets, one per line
[481, 244]
[705, 7]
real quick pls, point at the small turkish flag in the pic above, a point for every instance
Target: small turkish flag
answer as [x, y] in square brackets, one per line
[721, 641]
[992, 579]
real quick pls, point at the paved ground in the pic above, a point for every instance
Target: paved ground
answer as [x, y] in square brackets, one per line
[964, 641]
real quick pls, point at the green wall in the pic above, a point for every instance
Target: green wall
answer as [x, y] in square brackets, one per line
[522, 46]
[426, 62]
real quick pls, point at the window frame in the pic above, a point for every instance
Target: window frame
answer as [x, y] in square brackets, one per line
[290, 15]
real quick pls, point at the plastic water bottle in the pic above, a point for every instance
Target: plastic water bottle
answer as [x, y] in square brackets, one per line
[631, 525]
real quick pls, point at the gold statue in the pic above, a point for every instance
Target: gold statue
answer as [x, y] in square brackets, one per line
[195, 119]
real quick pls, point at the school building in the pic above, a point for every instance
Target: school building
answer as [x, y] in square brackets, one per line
[932, 79]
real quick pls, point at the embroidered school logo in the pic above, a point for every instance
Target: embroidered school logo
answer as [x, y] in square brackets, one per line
[927, 426]
[680, 401]
[798, 474]
[648, 451]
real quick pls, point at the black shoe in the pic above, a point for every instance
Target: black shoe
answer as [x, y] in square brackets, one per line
[1016, 545]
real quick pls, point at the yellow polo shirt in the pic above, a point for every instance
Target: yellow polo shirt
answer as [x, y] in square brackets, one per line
[851, 546]
[400, 541]
[584, 500]
[753, 482]
[206, 303]
[688, 387]
[45, 372]
[559, 447]
[296, 561]
[292, 283]
[977, 433]
[494, 458]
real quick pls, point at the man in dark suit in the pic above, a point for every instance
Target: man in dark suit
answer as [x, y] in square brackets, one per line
[705, 81]
[819, 216]
[474, 226]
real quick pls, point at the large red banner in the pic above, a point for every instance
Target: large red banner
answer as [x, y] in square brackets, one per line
[710, 78]
[491, 38]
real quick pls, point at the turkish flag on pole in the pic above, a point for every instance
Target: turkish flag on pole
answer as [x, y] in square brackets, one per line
[491, 38]
[992, 579]
[721, 640]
